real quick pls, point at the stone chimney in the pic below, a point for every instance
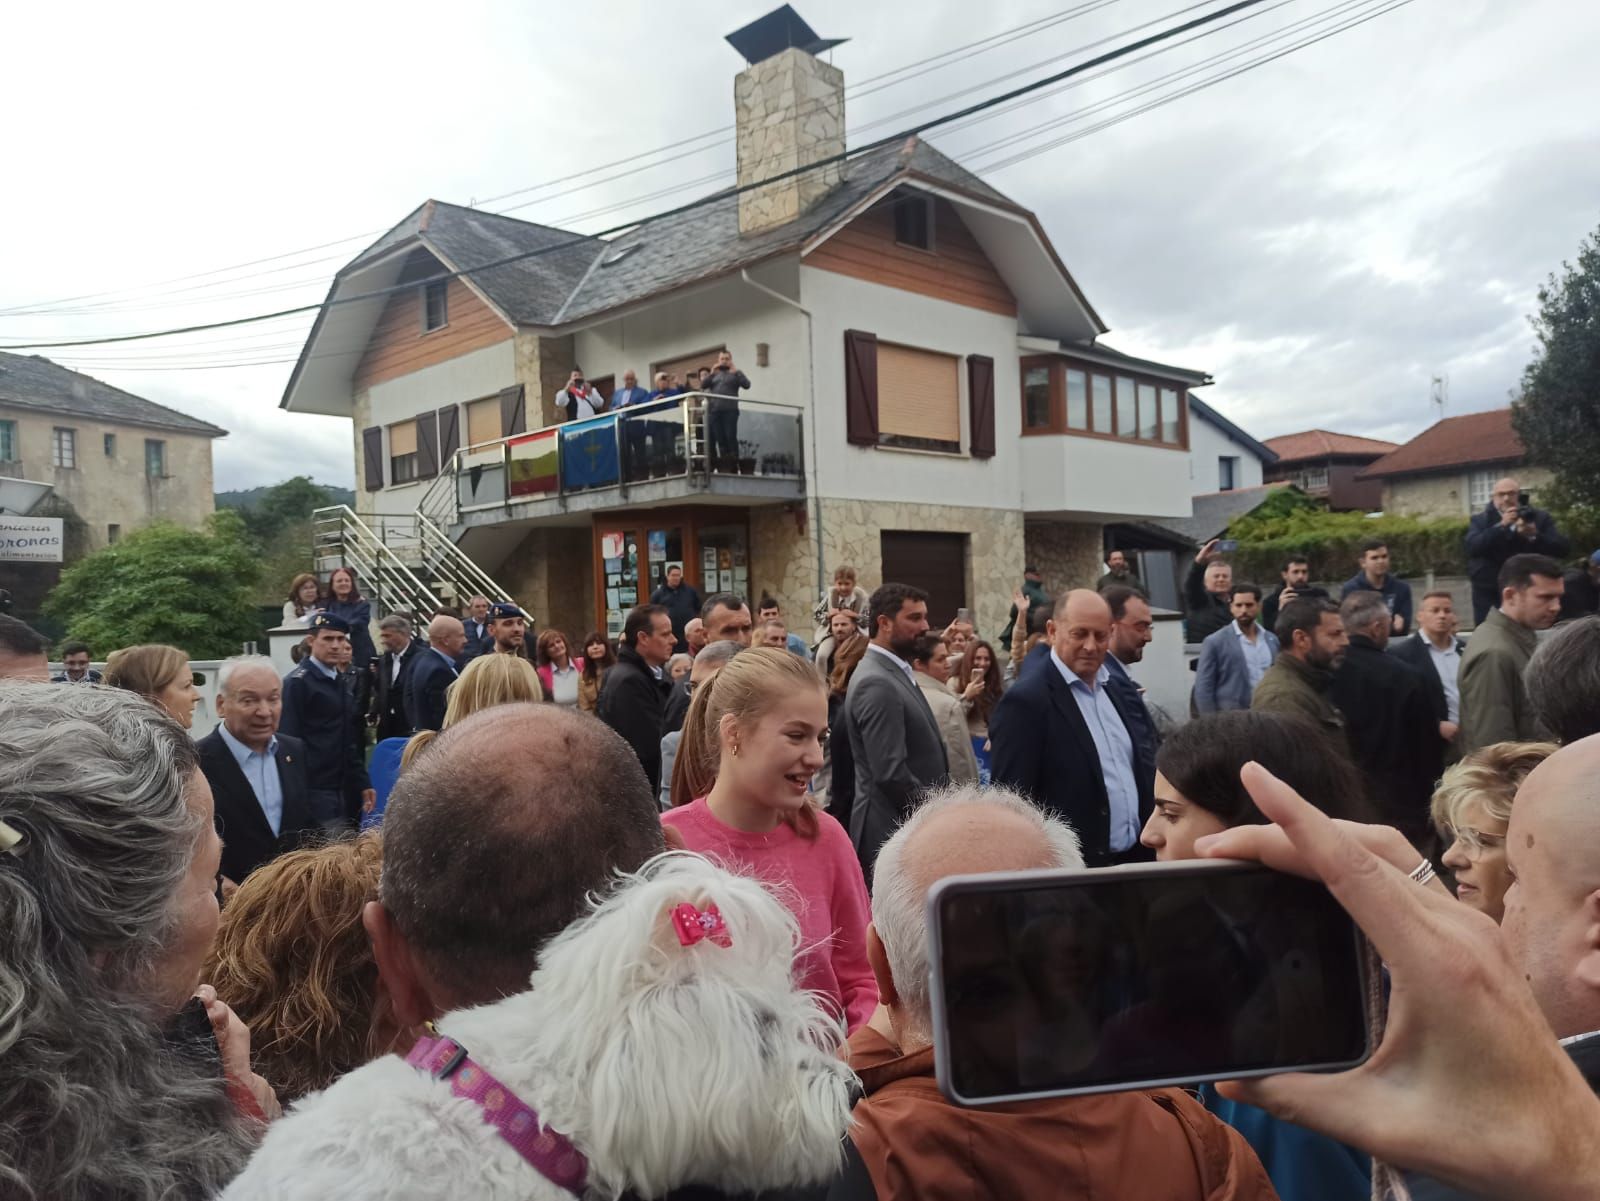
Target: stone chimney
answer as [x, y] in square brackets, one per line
[789, 111]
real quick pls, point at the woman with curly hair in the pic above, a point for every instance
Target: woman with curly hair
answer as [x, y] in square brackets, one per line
[293, 961]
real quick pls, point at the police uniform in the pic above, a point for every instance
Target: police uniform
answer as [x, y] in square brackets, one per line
[321, 711]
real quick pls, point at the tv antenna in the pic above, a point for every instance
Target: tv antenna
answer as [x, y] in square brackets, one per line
[1439, 393]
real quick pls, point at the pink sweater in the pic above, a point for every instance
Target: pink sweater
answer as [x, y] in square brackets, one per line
[819, 880]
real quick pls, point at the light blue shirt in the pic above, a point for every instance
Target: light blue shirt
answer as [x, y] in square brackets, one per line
[1114, 746]
[260, 768]
[1257, 655]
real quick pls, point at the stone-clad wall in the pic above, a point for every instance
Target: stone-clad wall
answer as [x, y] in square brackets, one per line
[551, 573]
[1068, 554]
[789, 111]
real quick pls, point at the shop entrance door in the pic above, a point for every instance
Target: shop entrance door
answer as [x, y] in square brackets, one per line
[634, 550]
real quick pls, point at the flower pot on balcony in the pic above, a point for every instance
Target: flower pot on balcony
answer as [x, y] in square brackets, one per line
[747, 465]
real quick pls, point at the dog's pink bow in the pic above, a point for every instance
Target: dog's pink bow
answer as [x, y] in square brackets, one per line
[694, 924]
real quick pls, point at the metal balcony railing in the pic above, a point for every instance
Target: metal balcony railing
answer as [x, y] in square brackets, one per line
[339, 538]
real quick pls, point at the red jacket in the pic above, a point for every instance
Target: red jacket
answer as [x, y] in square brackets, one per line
[1160, 1145]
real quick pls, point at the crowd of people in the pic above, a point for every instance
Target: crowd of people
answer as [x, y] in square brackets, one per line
[316, 940]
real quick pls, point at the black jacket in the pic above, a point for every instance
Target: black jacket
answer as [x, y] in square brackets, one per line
[1273, 604]
[1206, 612]
[677, 709]
[1394, 737]
[683, 606]
[389, 697]
[632, 702]
[1581, 598]
[1489, 544]
[1413, 652]
[247, 838]
[427, 679]
[842, 778]
[1042, 747]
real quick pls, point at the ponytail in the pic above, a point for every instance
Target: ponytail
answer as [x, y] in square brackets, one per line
[694, 770]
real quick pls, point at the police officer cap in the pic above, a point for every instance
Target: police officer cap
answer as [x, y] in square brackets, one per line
[327, 621]
[505, 609]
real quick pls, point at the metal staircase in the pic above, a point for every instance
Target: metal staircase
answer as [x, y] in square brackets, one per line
[406, 564]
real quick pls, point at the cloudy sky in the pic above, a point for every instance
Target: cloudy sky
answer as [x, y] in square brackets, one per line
[1324, 233]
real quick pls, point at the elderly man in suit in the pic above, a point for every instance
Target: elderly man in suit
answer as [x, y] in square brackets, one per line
[432, 673]
[257, 776]
[894, 737]
[1065, 740]
[1233, 660]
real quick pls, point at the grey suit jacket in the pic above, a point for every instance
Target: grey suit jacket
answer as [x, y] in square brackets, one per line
[1221, 680]
[898, 749]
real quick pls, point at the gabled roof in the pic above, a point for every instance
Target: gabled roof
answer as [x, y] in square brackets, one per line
[30, 382]
[1318, 444]
[1199, 408]
[1214, 510]
[1466, 441]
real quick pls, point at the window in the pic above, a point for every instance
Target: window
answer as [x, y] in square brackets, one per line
[403, 452]
[110, 441]
[913, 219]
[8, 442]
[1149, 413]
[1313, 479]
[1077, 399]
[113, 534]
[435, 311]
[919, 399]
[483, 421]
[1102, 404]
[1480, 488]
[1127, 408]
[1036, 398]
[1170, 410]
[1227, 473]
[1060, 396]
[63, 448]
[155, 459]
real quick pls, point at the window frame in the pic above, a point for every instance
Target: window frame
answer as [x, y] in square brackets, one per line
[1489, 476]
[925, 202]
[403, 468]
[1228, 465]
[161, 456]
[915, 443]
[1303, 478]
[63, 448]
[1115, 377]
[8, 441]
[109, 443]
[441, 288]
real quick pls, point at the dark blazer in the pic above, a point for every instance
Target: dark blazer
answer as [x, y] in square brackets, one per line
[479, 640]
[247, 839]
[1490, 543]
[1394, 738]
[1413, 652]
[1043, 749]
[389, 699]
[898, 750]
[426, 681]
[632, 702]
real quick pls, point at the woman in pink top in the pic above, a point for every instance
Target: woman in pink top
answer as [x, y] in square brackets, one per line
[751, 743]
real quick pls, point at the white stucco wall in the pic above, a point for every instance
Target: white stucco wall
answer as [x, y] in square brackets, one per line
[471, 376]
[1101, 479]
[1207, 444]
[840, 302]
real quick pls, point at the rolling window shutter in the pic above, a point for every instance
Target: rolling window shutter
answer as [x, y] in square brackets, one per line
[919, 394]
[861, 387]
[449, 433]
[980, 396]
[372, 447]
[483, 421]
[513, 411]
[427, 446]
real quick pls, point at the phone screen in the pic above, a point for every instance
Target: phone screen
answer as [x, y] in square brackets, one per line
[1228, 545]
[1052, 983]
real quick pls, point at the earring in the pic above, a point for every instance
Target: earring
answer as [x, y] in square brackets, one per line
[736, 750]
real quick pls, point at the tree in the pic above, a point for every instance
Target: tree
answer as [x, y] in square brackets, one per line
[1558, 414]
[164, 583]
[282, 505]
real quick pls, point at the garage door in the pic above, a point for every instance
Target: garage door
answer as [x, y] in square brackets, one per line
[936, 563]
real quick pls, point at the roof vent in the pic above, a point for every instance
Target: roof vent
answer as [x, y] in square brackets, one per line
[616, 256]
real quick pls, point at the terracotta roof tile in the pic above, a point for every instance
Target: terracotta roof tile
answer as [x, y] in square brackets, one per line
[1314, 444]
[1464, 441]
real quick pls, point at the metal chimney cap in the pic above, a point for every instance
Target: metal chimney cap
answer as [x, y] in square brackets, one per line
[779, 30]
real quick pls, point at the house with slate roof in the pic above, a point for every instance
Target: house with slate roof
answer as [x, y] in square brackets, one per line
[931, 399]
[119, 460]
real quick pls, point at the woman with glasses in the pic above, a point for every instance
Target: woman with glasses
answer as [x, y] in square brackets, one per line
[1472, 808]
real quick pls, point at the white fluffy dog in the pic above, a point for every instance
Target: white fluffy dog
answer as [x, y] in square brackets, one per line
[664, 1064]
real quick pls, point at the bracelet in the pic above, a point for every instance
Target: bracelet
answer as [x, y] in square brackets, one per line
[1423, 872]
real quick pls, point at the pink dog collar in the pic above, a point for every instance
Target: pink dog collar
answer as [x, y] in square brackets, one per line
[551, 1154]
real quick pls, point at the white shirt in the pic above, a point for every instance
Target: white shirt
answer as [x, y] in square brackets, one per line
[874, 649]
[394, 662]
[1447, 663]
[1257, 654]
[564, 684]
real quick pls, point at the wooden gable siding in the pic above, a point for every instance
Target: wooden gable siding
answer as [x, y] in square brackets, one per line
[955, 270]
[399, 346]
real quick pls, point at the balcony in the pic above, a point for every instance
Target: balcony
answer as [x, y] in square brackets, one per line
[1100, 479]
[643, 456]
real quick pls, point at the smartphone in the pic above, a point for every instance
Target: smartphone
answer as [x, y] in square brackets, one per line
[964, 614]
[1226, 546]
[1049, 984]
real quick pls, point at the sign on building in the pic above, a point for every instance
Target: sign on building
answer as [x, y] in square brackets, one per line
[30, 539]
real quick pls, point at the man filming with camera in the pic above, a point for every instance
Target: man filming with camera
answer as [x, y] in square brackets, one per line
[1508, 526]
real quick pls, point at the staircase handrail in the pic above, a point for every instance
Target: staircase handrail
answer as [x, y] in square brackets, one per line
[337, 531]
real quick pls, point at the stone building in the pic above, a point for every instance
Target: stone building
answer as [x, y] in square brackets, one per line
[118, 460]
[1450, 468]
[930, 401]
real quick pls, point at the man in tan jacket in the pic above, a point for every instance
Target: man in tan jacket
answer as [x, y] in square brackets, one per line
[1159, 1145]
[931, 662]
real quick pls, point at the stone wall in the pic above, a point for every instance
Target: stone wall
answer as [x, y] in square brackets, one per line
[1068, 554]
[789, 111]
[783, 561]
[543, 365]
[1446, 494]
[551, 573]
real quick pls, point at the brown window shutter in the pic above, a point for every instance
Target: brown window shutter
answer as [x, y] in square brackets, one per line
[449, 433]
[861, 387]
[980, 396]
[513, 411]
[372, 448]
[427, 446]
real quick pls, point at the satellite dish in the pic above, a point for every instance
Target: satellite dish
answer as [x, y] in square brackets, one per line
[19, 497]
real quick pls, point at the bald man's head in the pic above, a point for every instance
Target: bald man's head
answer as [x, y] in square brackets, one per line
[493, 840]
[1552, 920]
[447, 634]
[958, 831]
[1080, 631]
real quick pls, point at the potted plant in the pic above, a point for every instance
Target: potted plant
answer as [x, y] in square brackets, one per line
[747, 458]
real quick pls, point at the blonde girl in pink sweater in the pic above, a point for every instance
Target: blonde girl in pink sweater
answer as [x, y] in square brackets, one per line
[742, 782]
